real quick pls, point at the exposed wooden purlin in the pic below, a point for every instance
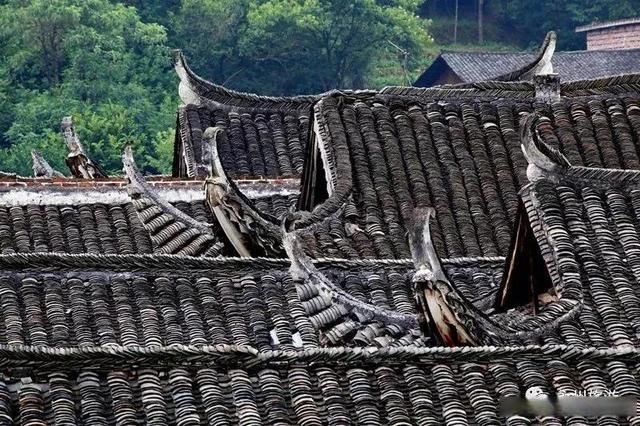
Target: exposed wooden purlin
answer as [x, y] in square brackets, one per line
[41, 168]
[79, 163]
[545, 162]
[171, 231]
[251, 232]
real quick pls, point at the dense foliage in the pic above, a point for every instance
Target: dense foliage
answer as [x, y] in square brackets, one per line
[106, 62]
[523, 23]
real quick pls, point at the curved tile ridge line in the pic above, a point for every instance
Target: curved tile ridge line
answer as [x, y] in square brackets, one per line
[194, 89]
[302, 267]
[100, 357]
[624, 83]
[243, 223]
[138, 183]
[482, 328]
[540, 65]
[320, 137]
[595, 85]
[137, 262]
[337, 164]
[507, 89]
[546, 162]
[603, 176]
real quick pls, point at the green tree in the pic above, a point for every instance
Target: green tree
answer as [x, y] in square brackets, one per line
[210, 32]
[528, 21]
[298, 46]
[92, 59]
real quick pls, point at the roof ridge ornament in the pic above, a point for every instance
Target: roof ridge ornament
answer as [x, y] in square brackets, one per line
[432, 288]
[546, 83]
[302, 268]
[196, 90]
[544, 66]
[79, 163]
[249, 231]
[545, 162]
[186, 90]
[448, 316]
[138, 185]
[541, 65]
[41, 167]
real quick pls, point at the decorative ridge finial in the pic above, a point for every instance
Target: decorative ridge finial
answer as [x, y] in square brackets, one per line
[79, 163]
[545, 54]
[70, 137]
[138, 185]
[41, 167]
[187, 93]
[544, 161]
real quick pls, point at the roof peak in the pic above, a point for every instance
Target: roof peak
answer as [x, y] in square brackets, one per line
[194, 89]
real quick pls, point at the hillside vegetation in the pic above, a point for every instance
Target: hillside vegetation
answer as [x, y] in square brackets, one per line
[107, 63]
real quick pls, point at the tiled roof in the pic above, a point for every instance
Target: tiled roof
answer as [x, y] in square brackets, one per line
[588, 230]
[238, 386]
[102, 339]
[263, 143]
[267, 135]
[126, 337]
[607, 24]
[575, 65]
[164, 300]
[36, 218]
[461, 156]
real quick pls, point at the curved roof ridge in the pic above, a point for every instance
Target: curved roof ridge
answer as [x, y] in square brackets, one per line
[541, 63]
[618, 84]
[626, 82]
[138, 185]
[603, 176]
[511, 89]
[197, 90]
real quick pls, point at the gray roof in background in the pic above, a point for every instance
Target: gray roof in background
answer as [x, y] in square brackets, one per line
[607, 24]
[578, 65]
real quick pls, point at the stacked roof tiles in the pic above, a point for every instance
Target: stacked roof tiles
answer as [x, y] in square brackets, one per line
[121, 309]
[462, 156]
[260, 143]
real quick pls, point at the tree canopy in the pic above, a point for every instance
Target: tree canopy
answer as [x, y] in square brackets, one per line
[106, 62]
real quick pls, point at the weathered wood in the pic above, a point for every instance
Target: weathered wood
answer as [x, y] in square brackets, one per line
[79, 163]
[251, 232]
